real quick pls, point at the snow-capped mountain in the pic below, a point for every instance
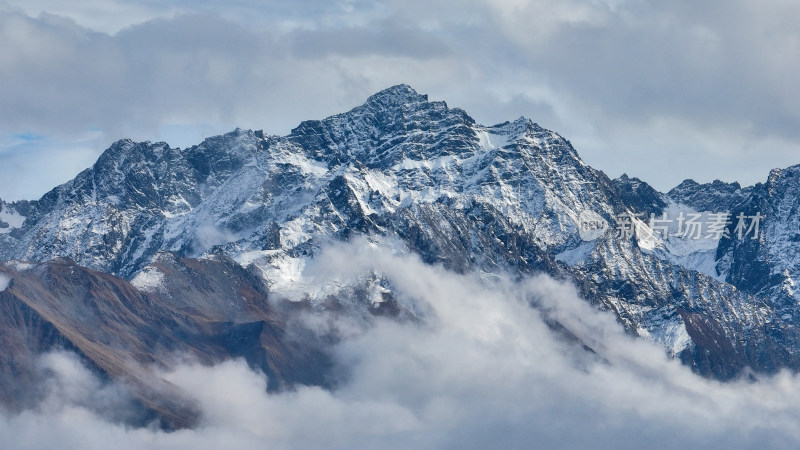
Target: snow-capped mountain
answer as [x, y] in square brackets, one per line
[767, 266]
[512, 197]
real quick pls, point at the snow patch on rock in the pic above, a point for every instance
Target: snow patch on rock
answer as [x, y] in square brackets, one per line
[10, 220]
[20, 266]
[149, 279]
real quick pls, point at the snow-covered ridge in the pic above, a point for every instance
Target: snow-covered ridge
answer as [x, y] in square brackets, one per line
[502, 198]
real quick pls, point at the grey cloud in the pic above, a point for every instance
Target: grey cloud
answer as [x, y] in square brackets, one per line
[59, 77]
[386, 38]
[711, 85]
[654, 63]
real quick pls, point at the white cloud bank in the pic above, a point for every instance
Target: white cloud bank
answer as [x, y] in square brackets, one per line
[482, 371]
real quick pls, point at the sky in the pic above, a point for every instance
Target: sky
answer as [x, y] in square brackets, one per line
[482, 370]
[663, 91]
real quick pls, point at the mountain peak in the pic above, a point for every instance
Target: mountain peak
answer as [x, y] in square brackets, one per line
[686, 184]
[638, 195]
[518, 127]
[400, 94]
[716, 196]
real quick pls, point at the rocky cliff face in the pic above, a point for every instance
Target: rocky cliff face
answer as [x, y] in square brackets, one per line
[510, 197]
[209, 311]
[765, 263]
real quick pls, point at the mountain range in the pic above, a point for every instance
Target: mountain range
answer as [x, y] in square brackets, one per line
[156, 251]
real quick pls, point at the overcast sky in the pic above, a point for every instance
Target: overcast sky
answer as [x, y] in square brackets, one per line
[661, 90]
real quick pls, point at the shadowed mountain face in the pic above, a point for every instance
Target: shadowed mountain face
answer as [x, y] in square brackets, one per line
[211, 310]
[512, 197]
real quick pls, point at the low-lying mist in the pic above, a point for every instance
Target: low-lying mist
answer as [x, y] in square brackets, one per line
[482, 369]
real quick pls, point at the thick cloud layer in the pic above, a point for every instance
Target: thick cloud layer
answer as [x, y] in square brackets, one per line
[481, 370]
[707, 91]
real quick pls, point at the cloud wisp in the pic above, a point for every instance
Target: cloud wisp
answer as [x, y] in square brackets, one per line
[482, 369]
[4, 282]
